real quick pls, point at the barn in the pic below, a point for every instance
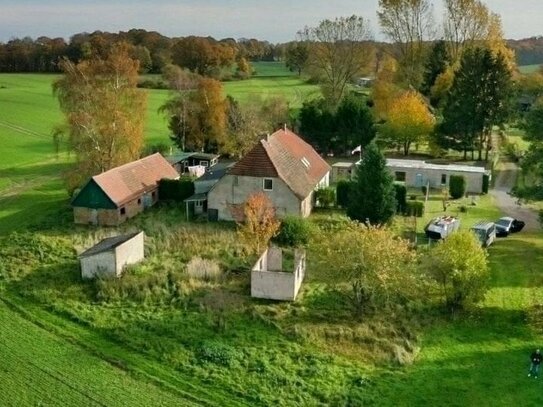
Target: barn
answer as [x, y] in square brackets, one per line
[121, 193]
[110, 256]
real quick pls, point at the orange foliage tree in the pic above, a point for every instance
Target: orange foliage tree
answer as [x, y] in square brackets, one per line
[260, 223]
[105, 112]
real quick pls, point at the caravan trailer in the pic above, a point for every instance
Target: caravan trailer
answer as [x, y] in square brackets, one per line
[440, 228]
[485, 232]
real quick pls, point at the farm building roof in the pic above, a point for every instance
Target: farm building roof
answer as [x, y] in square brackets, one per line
[108, 244]
[123, 184]
[418, 164]
[179, 156]
[284, 155]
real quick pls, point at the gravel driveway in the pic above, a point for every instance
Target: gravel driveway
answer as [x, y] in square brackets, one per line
[505, 181]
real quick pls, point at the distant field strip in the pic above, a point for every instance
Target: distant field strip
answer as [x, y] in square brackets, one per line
[37, 368]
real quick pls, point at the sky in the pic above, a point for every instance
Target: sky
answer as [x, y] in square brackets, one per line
[273, 20]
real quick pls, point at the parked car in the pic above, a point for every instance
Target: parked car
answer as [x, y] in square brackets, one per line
[440, 228]
[507, 225]
[485, 232]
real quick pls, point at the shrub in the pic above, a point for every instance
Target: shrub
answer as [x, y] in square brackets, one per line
[325, 197]
[457, 186]
[486, 183]
[424, 190]
[413, 197]
[203, 269]
[463, 209]
[175, 190]
[293, 232]
[415, 208]
[541, 217]
[401, 197]
[343, 190]
[216, 353]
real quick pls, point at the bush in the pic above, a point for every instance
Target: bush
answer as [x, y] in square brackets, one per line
[325, 197]
[175, 190]
[343, 190]
[463, 209]
[486, 183]
[457, 186]
[216, 353]
[415, 208]
[203, 269]
[401, 197]
[424, 190]
[294, 232]
[541, 217]
[413, 197]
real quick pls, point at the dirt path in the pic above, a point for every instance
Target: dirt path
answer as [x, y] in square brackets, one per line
[505, 181]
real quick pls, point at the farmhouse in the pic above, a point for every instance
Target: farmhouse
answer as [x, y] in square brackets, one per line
[283, 166]
[122, 192]
[109, 257]
[417, 173]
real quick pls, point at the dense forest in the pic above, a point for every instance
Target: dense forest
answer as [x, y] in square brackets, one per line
[155, 51]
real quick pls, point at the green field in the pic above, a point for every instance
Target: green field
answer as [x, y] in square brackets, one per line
[526, 69]
[30, 169]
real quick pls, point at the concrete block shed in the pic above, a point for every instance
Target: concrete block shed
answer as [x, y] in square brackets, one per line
[110, 256]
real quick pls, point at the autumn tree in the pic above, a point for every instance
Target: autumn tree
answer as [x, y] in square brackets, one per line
[409, 122]
[378, 266]
[409, 24]
[372, 197]
[339, 50]
[259, 224]
[296, 56]
[459, 267]
[245, 127]
[197, 113]
[105, 112]
[202, 55]
[243, 69]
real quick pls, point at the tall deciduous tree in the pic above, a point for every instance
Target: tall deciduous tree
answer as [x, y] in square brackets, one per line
[260, 223]
[409, 121]
[338, 52]
[372, 197]
[296, 56]
[409, 24]
[105, 112]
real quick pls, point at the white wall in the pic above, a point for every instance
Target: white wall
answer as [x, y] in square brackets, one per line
[130, 252]
[101, 264]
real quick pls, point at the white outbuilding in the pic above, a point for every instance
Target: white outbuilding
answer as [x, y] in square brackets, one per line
[109, 257]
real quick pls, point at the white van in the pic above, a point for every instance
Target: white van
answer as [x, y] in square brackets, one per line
[485, 232]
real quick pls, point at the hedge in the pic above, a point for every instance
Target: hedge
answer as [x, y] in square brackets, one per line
[343, 190]
[401, 197]
[457, 186]
[175, 190]
[486, 183]
[294, 232]
[415, 208]
[325, 197]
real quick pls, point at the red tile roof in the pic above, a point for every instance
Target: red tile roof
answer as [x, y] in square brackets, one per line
[123, 184]
[284, 155]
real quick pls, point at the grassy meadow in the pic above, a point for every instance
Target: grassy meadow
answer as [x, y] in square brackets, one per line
[526, 69]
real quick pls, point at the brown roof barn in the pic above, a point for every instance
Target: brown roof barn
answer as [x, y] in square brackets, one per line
[122, 192]
[283, 166]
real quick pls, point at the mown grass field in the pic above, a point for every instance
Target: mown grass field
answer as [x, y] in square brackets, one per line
[30, 169]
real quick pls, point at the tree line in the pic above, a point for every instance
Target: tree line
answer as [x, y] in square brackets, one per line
[153, 51]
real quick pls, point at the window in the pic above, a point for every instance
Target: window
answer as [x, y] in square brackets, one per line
[268, 184]
[123, 211]
[400, 176]
[204, 163]
[443, 179]
[305, 162]
[199, 204]
[139, 201]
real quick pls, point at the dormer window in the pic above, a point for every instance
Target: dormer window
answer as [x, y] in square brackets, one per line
[306, 163]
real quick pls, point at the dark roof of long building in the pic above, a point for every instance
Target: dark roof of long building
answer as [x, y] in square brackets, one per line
[284, 155]
[123, 184]
[108, 244]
